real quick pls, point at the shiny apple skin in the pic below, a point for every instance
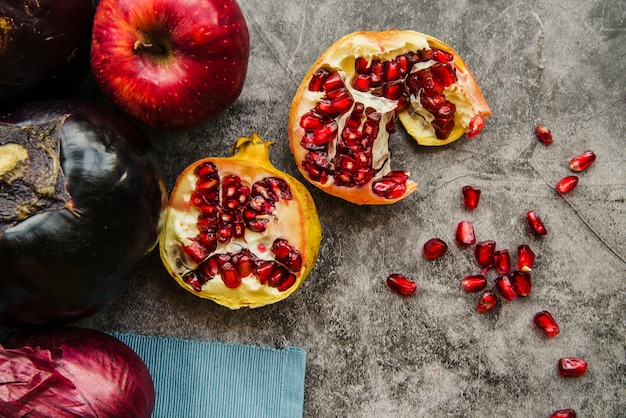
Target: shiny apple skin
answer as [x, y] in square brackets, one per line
[61, 266]
[44, 49]
[195, 69]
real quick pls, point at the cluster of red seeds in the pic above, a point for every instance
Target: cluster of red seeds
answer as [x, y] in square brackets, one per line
[392, 79]
[227, 209]
[509, 284]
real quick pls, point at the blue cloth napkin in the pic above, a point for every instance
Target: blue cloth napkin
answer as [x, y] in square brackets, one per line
[195, 379]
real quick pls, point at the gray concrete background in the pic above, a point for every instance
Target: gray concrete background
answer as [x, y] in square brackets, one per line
[371, 353]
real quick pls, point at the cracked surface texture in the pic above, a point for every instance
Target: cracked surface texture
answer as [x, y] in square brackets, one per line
[373, 353]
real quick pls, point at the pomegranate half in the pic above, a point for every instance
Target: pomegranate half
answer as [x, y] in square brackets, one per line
[350, 99]
[238, 231]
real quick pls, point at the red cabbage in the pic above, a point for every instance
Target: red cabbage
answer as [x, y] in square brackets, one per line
[69, 372]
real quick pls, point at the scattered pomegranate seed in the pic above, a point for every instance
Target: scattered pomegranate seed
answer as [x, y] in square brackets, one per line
[474, 283]
[572, 366]
[525, 258]
[465, 233]
[535, 223]
[401, 284]
[434, 248]
[582, 161]
[471, 196]
[502, 261]
[564, 413]
[483, 252]
[521, 282]
[487, 301]
[543, 135]
[566, 184]
[546, 323]
[505, 288]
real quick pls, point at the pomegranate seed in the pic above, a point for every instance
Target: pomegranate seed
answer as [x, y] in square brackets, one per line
[435, 247]
[318, 79]
[287, 282]
[465, 233]
[546, 323]
[393, 90]
[564, 413]
[287, 254]
[474, 283]
[566, 184]
[483, 252]
[362, 82]
[535, 223]
[572, 366]
[442, 56]
[505, 288]
[502, 261]
[471, 196]
[401, 284]
[333, 82]
[543, 135]
[230, 277]
[476, 124]
[392, 185]
[196, 251]
[487, 301]
[432, 103]
[360, 65]
[521, 282]
[525, 258]
[582, 161]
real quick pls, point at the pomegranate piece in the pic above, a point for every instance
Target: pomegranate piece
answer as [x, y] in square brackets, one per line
[505, 288]
[401, 284]
[474, 283]
[583, 161]
[535, 223]
[237, 230]
[434, 248]
[487, 301]
[502, 261]
[543, 135]
[564, 413]
[347, 113]
[566, 184]
[525, 258]
[471, 197]
[465, 233]
[546, 323]
[521, 282]
[572, 366]
[483, 252]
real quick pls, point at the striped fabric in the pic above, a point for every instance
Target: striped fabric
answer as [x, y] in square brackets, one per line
[195, 379]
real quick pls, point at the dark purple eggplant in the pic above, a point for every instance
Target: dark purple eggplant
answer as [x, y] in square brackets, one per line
[81, 200]
[44, 49]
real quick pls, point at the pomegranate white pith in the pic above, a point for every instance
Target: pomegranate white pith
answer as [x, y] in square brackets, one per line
[238, 231]
[351, 98]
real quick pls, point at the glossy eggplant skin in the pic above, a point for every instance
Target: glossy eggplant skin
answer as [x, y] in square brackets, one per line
[44, 49]
[63, 265]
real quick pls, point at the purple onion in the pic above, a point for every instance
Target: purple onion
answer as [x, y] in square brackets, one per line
[68, 372]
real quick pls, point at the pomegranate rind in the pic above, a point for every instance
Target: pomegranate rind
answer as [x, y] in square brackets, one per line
[299, 222]
[472, 108]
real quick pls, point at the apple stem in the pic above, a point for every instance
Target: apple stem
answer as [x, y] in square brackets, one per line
[141, 47]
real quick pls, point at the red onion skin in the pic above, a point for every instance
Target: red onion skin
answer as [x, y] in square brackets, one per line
[73, 372]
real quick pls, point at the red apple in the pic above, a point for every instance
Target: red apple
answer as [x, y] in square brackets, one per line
[170, 63]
